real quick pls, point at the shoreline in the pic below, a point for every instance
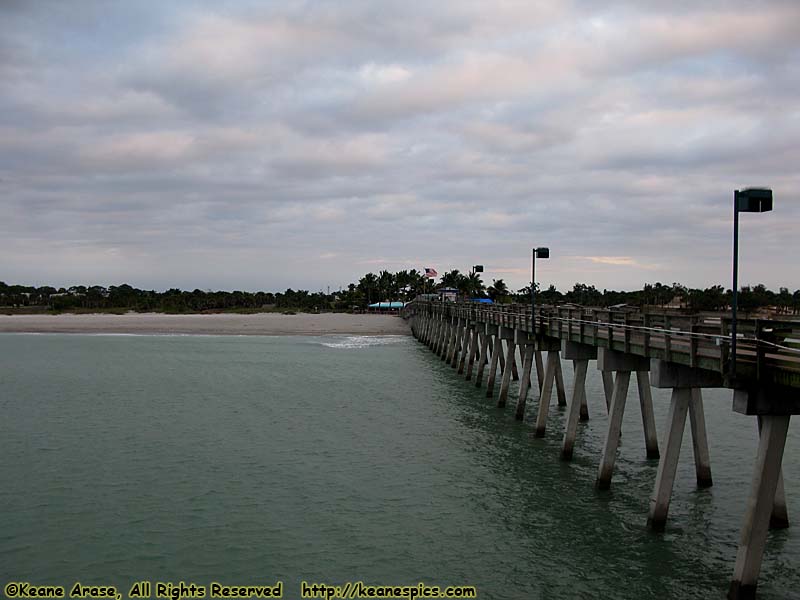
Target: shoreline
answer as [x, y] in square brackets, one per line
[264, 324]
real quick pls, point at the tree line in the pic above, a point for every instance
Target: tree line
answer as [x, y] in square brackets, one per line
[386, 286]
[714, 298]
[402, 285]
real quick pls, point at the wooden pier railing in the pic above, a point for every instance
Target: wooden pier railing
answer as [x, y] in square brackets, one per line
[767, 350]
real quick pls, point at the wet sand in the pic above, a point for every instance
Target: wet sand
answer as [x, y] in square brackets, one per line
[211, 324]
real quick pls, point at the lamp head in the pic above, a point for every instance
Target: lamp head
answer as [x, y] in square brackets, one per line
[542, 252]
[753, 200]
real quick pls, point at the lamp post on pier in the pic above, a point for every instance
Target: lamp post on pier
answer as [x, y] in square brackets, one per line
[535, 253]
[475, 269]
[755, 200]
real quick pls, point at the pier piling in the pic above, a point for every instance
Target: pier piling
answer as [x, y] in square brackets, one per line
[553, 356]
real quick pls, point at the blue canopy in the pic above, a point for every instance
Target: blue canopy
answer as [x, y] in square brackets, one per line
[387, 305]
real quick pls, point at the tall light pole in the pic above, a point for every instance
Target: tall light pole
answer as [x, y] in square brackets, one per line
[535, 253]
[476, 269]
[747, 200]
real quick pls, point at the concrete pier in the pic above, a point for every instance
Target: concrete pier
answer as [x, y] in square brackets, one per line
[684, 353]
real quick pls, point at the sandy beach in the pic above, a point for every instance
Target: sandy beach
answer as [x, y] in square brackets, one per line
[211, 324]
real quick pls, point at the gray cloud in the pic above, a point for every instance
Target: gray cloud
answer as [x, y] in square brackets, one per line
[245, 145]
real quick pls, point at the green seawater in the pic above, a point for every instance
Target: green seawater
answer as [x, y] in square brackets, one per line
[250, 460]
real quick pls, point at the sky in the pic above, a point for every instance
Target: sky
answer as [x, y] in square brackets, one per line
[265, 145]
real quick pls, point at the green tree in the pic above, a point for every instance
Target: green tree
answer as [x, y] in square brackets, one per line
[498, 291]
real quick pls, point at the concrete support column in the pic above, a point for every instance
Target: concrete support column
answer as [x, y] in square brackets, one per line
[686, 396]
[539, 368]
[511, 350]
[648, 418]
[702, 459]
[525, 380]
[577, 402]
[434, 328]
[444, 336]
[580, 355]
[780, 515]
[482, 358]
[452, 330]
[513, 361]
[584, 411]
[461, 332]
[608, 388]
[452, 349]
[461, 347]
[623, 364]
[561, 393]
[473, 351]
[461, 351]
[496, 352]
[665, 478]
[779, 519]
[547, 390]
[759, 507]
[447, 335]
[452, 352]
[616, 411]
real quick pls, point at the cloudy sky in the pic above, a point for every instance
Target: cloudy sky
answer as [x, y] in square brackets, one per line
[262, 145]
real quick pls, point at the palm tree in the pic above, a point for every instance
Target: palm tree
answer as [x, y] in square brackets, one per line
[368, 283]
[451, 279]
[475, 286]
[498, 290]
[418, 283]
[386, 285]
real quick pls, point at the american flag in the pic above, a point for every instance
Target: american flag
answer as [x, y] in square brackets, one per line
[430, 272]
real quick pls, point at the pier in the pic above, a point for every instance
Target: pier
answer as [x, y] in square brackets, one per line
[683, 353]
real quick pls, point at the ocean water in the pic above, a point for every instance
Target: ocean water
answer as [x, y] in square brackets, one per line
[250, 460]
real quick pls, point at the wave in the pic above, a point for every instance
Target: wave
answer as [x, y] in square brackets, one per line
[364, 341]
